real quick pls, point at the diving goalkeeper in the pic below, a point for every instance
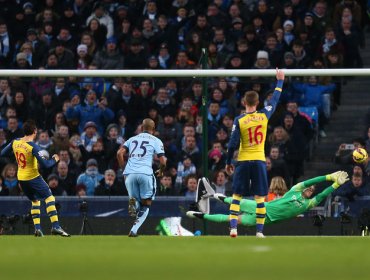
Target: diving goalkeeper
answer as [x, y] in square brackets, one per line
[295, 202]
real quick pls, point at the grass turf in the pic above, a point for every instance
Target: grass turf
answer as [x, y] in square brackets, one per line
[191, 258]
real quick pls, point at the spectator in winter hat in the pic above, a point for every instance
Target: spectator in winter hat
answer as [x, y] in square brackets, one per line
[21, 61]
[289, 61]
[289, 36]
[83, 58]
[91, 177]
[82, 48]
[262, 61]
[109, 57]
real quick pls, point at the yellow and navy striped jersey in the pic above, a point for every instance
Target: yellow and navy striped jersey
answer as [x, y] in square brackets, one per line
[27, 163]
[27, 154]
[250, 129]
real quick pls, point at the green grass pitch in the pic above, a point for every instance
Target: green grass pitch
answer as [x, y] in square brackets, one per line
[191, 258]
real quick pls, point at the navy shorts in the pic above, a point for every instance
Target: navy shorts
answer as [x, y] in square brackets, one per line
[250, 178]
[36, 189]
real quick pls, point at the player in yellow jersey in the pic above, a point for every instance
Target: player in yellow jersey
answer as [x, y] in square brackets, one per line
[249, 135]
[28, 154]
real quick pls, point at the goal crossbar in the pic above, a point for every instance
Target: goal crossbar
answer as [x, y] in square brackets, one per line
[174, 73]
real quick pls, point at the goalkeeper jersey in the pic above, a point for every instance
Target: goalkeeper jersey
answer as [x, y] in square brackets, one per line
[291, 204]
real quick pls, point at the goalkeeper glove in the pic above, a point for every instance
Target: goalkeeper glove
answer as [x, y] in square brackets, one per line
[333, 176]
[341, 179]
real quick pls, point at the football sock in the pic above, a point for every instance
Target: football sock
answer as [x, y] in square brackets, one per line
[260, 213]
[217, 218]
[234, 210]
[52, 211]
[141, 216]
[35, 212]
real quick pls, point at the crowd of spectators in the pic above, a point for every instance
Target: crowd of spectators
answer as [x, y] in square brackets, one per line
[86, 120]
[359, 185]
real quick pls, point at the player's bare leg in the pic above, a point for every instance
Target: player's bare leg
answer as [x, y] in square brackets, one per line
[141, 216]
[132, 207]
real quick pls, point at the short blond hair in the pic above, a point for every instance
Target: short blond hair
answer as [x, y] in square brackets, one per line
[251, 98]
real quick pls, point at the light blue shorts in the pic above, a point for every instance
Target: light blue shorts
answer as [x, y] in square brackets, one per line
[141, 186]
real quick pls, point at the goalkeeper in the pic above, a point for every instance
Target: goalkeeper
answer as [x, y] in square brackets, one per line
[295, 202]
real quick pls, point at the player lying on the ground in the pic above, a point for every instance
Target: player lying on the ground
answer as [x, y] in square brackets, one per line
[295, 202]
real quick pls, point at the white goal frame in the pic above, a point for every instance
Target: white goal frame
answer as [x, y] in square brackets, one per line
[173, 73]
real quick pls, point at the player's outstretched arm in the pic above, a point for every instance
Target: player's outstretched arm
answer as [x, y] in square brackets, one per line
[341, 176]
[305, 184]
[329, 177]
[280, 75]
[272, 103]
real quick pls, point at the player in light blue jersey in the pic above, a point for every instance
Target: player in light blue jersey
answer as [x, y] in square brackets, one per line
[139, 176]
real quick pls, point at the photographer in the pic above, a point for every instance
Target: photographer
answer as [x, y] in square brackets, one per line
[344, 153]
